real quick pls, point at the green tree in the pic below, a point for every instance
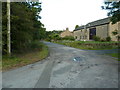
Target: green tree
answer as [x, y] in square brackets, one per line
[25, 25]
[77, 26]
[114, 10]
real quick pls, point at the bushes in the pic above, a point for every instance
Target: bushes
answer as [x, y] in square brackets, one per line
[68, 38]
[108, 38]
[36, 45]
[91, 45]
[96, 38]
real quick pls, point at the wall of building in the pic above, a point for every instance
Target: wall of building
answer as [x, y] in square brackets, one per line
[77, 34]
[113, 27]
[102, 31]
[81, 35]
[66, 33]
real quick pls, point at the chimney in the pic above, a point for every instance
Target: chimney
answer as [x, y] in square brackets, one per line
[67, 29]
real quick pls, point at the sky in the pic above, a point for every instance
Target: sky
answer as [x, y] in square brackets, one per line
[62, 14]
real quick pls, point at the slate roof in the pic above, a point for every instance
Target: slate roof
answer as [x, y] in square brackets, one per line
[98, 22]
[95, 23]
[81, 27]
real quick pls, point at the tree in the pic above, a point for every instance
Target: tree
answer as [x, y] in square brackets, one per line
[77, 26]
[25, 25]
[114, 10]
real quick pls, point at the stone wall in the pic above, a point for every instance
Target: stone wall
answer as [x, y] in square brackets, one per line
[102, 31]
[81, 35]
[113, 27]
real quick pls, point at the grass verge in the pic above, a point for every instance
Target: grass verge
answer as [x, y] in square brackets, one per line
[24, 59]
[90, 45]
[116, 55]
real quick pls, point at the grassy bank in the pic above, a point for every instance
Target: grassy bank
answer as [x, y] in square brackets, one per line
[116, 55]
[90, 45]
[19, 60]
[93, 45]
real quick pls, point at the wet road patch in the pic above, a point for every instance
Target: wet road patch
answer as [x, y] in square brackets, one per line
[78, 59]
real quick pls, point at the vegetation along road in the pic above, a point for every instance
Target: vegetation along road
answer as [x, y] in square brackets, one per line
[65, 67]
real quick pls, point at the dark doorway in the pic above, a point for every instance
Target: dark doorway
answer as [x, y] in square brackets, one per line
[92, 33]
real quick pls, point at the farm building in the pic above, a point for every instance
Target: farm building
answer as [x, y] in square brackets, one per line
[102, 28]
[66, 33]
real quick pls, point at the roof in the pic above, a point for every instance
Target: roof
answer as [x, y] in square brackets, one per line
[98, 22]
[79, 28]
[95, 23]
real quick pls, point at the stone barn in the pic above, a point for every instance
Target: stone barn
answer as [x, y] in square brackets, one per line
[102, 28]
[66, 33]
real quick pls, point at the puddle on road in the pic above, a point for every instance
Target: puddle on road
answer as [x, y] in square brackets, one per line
[77, 59]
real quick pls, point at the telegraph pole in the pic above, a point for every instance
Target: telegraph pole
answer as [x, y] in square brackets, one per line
[8, 29]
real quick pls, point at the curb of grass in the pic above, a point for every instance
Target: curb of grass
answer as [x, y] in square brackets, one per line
[32, 61]
[82, 48]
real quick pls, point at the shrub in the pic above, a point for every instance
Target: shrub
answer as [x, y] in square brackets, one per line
[68, 38]
[36, 45]
[102, 40]
[96, 38]
[108, 38]
[115, 32]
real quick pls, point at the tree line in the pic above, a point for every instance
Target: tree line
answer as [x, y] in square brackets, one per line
[26, 27]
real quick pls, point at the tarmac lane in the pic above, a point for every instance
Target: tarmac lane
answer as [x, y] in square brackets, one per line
[65, 67]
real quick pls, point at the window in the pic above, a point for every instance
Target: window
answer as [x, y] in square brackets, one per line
[75, 37]
[82, 37]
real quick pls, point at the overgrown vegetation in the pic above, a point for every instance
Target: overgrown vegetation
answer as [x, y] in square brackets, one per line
[90, 45]
[71, 38]
[26, 33]
[25, 58]
[113, 8]
[55, 36]
[108, 38]
[116, 55]
[25, 25]
[96, 38]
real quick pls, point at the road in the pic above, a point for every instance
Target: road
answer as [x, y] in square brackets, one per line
[65, 67]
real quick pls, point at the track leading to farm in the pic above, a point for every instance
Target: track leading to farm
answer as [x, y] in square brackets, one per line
[65, 67]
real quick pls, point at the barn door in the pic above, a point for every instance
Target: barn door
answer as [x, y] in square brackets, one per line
[92, 33]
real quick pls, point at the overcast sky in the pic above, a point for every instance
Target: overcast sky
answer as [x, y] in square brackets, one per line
[60, 14]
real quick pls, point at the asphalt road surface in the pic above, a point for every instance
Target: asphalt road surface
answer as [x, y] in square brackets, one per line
[65, 67]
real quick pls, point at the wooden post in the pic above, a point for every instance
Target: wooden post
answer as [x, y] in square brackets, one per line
[8, 29]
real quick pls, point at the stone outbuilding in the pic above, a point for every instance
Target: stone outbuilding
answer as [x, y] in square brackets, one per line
[66, 33]
[102, 28]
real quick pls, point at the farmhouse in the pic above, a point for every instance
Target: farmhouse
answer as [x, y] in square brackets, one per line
[102, 28]
[66, 33]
